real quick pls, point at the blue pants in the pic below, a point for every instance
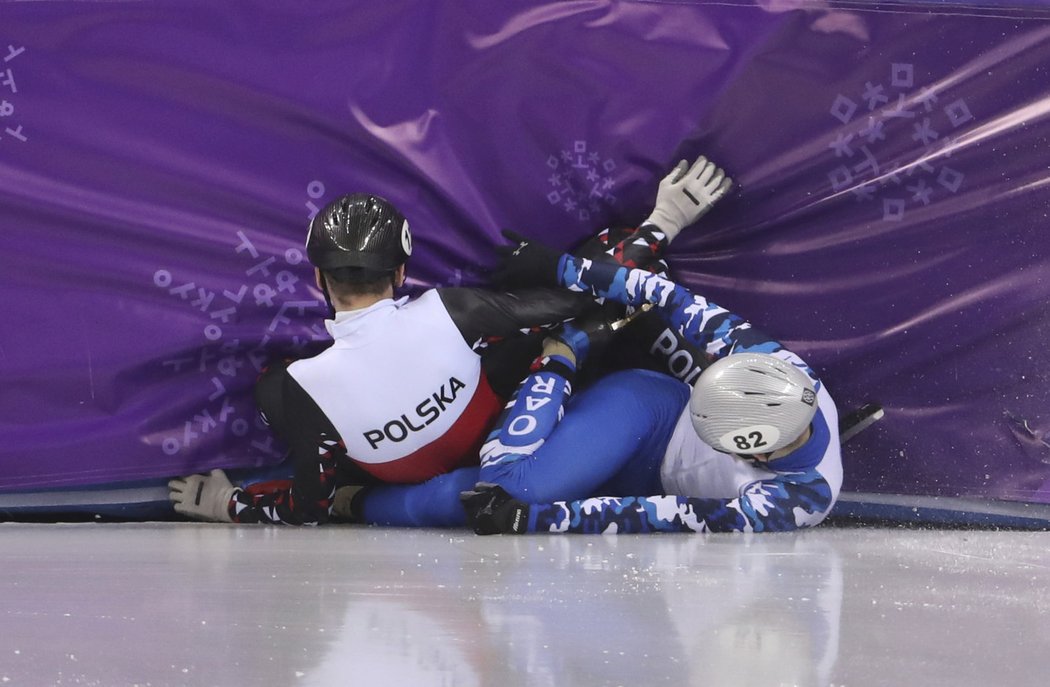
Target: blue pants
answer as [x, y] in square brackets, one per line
[610, 442]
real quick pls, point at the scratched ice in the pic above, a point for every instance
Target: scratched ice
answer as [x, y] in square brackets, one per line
[831, 605]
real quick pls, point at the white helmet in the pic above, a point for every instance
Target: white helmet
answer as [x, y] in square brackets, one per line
[751, 403]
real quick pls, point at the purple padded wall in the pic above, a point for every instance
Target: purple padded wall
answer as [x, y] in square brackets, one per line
[159, 162]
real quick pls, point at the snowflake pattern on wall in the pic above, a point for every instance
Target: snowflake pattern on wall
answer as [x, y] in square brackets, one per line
[581, 181]
[880, 114]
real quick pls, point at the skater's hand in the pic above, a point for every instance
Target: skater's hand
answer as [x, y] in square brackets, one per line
[491, 510]
[686, 194]
[526, 263]
[203, 497]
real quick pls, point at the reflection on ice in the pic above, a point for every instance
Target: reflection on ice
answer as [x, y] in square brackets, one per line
[563, 610]
[187, 604]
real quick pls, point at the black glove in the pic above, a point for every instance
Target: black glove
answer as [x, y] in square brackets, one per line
[491, 510]
[525, 263]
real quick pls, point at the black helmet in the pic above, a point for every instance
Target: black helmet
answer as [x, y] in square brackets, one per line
[361, 231]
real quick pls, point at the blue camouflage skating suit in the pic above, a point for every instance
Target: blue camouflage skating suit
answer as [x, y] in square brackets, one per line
[622, 455]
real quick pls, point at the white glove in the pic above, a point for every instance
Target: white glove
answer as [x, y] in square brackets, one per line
[686, 194]
[203, 497]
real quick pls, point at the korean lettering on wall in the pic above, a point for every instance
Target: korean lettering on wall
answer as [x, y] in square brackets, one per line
[227, 363]
[9, 111]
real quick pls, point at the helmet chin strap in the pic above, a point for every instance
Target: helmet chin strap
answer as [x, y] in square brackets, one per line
[327, 297]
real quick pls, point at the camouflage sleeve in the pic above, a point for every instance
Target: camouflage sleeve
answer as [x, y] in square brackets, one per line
[641, 247]
[769, 505]
[704, 324]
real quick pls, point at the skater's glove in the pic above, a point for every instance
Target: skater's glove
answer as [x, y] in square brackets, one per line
[203, 497]
[526, 263]
[686, 194]
[491, 510]
[586, 336]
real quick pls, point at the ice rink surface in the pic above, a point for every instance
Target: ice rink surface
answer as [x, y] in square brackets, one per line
[196, 604]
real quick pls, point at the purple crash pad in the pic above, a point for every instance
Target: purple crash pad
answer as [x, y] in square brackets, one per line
[159, 163]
